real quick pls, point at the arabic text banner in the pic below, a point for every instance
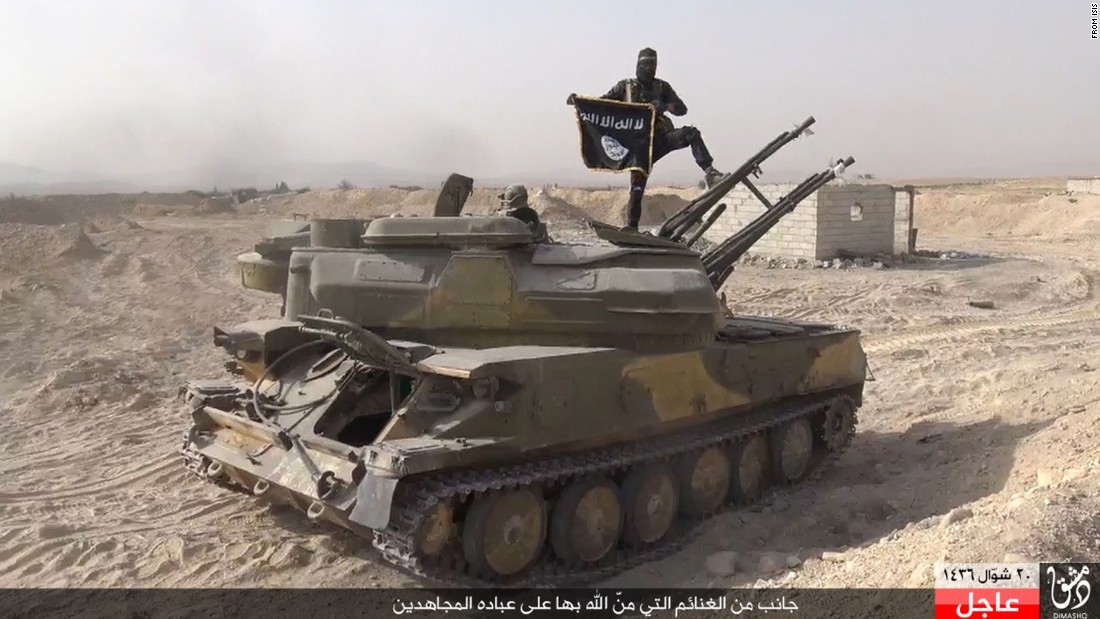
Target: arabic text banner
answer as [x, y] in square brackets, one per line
[988, 603]
[418, 603]
[615, 136]
[987, 590]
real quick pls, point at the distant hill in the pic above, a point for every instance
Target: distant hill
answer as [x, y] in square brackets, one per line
[296, 174]
[14, 174]
[24, 180]
[70, 188]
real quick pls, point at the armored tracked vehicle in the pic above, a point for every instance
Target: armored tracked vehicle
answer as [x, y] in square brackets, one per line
[494, 408]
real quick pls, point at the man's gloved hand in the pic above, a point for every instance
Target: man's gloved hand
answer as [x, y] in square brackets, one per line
[569, 100]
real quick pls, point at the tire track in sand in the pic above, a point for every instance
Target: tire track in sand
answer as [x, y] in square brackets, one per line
[892, 342]
[1082, 311]
[149, 468]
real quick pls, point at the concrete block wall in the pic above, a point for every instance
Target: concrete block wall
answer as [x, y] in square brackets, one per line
[794, 236]
[1083, 185]
[855, 218]
[902, 224]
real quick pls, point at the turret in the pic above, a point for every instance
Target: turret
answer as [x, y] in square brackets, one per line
[266, 267]
[485, 281]
[719, 261]
[495, 281]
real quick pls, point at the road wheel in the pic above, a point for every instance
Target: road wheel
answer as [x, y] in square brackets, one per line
[587, 520]
[651, 500]
[704, 479]
[505, 531]
[792, 448]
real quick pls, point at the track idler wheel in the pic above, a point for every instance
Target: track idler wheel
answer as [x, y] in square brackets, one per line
[436, 530]
[836, 430]
[652, 499]
[792, 448]
[505, 531]
[750, 468]
[587, 520]
[704, 479]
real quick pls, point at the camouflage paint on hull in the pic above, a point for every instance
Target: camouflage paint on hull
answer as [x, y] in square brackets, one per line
[480, 282]
[455, 386]
[545, 402]
[261, 273]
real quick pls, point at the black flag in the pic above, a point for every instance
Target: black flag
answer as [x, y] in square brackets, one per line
[615, 136]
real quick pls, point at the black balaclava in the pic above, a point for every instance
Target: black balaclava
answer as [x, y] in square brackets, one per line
[647, 66]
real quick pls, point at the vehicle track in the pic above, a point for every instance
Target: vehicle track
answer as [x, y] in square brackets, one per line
[415, 500]
[397, 542]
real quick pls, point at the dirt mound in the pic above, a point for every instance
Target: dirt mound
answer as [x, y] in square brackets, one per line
[210, 206]
[76, 244]
[220, 204]
[83, 383]
[136, 268]
[607, 205]
[36, 212]
[111, 223]
[551, 208]
[54, 210]
[380, 202]
[658, 207]
[27, 247]
[362, 203]
[1017, 212]
[158, 210]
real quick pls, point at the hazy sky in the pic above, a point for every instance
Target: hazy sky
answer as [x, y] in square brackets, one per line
[909, 88]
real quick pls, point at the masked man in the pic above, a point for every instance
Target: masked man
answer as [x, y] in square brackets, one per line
[646, 88]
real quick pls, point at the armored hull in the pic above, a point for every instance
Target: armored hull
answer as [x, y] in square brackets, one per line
[494, 408]
[523, 465]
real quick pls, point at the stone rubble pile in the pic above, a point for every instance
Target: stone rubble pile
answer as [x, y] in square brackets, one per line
[878, 261]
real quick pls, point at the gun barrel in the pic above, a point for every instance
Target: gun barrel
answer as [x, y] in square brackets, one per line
[720, 260]
[731, 250]
[760, 226]
[706, 225]
[678, 224]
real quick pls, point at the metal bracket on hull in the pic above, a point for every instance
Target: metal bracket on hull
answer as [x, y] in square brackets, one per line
[617, 236]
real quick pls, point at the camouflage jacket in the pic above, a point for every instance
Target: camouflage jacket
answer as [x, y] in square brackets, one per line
[660, 93]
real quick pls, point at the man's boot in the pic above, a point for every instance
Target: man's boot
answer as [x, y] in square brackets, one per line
[631, 223]
[712, 176]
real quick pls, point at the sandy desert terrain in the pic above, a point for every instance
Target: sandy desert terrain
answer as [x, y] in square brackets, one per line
[978, 440]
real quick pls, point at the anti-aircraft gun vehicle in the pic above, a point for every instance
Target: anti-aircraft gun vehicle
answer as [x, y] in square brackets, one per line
[494, 409]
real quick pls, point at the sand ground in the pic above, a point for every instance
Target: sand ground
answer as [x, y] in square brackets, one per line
[977, 438]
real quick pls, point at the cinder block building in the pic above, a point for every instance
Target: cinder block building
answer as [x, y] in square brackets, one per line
[859, 219]
[1083, 185]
